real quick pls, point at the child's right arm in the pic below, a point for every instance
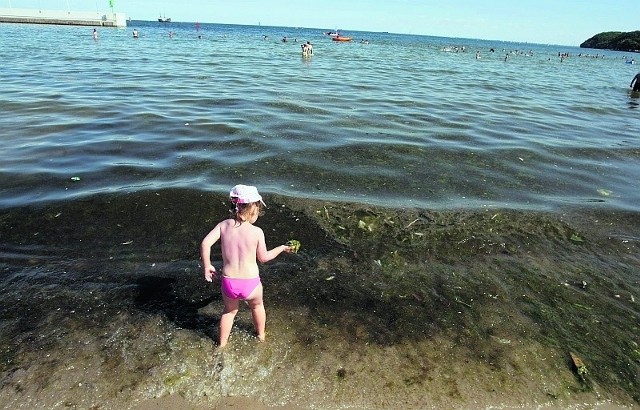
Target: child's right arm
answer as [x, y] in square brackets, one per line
[205, 253]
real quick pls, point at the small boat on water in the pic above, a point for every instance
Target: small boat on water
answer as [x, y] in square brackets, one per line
[164, 19]
[341, 38]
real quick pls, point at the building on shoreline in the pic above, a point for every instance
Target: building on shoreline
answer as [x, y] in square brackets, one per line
[62, 17]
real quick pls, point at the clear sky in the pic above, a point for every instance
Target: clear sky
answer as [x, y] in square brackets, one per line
[565, 22]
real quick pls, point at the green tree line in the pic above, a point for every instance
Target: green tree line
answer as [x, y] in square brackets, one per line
[615, 40]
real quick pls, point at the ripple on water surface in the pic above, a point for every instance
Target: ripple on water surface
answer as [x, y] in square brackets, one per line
[398, 119]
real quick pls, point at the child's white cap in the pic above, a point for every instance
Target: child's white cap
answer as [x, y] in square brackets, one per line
[245, 194]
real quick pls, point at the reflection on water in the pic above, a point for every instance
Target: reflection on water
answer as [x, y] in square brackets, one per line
[634, 100]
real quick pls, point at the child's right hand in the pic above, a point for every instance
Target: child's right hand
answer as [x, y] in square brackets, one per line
[293, 246]
[209, 273]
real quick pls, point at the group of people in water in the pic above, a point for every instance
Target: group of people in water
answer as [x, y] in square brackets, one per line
[307, 49]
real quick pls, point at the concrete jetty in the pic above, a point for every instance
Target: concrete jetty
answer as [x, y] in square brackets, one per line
[62, 17]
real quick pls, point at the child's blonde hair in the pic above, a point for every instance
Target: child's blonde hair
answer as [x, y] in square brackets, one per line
[243, 212]
[246, 202]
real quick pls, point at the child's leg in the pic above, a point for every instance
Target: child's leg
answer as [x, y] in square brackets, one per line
[226, 321]
[258, 313]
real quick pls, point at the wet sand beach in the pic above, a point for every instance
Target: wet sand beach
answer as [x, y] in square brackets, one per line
[104, 306]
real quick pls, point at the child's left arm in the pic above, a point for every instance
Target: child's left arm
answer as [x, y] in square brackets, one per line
[265, 255]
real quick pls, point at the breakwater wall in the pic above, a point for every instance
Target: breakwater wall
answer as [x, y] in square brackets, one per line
[62, 17]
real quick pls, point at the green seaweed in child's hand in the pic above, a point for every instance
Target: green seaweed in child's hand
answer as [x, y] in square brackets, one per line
[294, 245]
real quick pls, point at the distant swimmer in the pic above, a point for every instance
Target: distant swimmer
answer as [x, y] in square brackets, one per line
[478, 55]
[95, 34]
[635, 83]
[135, 33]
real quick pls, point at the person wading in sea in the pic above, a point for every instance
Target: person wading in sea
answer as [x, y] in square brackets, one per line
[636, 80]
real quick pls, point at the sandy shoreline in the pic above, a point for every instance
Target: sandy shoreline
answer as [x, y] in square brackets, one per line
[175, 402]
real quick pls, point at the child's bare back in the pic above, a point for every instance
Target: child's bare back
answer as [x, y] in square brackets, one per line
[240, 244]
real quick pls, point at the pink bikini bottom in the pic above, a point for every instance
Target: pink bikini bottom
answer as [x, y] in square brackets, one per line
[239, 288]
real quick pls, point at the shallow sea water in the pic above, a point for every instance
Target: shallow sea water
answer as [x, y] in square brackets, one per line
[396, 122]
[466, 224]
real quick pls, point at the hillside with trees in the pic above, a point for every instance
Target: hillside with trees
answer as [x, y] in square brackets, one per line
[614, 40]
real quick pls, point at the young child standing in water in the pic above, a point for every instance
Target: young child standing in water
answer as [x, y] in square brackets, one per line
[242, 243]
